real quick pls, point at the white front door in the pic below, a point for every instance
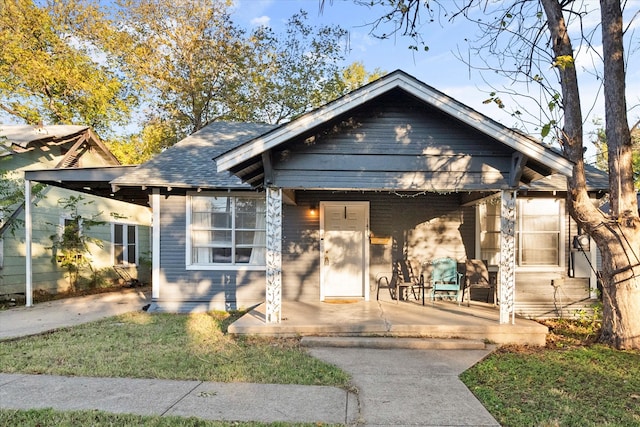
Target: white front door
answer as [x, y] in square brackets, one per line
[344, 246]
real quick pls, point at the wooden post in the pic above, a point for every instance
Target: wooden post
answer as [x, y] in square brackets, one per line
[27, 242]
[274, 256]
[508, 256]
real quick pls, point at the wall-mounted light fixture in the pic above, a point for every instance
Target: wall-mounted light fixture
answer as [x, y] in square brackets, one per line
[313, 209]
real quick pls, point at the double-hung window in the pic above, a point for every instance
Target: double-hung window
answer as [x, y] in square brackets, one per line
[125, 244]
[539, 232]
[226, 230]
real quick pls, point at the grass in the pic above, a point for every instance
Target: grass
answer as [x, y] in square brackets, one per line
[167, 346]
[571, 382]
[49, 417]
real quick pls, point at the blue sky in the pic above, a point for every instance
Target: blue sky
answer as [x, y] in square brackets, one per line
[438, 67]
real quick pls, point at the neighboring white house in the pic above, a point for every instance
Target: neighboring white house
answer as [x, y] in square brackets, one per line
[124, 237]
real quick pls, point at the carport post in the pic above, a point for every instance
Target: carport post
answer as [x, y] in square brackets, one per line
[27, 243]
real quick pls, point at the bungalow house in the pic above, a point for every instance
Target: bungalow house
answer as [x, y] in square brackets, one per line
[319, 207]
[125, 237]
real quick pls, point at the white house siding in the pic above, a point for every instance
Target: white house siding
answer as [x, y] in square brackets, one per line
[46, 214]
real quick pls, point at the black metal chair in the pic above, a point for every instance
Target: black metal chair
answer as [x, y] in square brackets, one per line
[477, 277]
[403, 281]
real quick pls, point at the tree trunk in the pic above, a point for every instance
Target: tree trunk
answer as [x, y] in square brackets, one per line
[621, 265]
[617, 237]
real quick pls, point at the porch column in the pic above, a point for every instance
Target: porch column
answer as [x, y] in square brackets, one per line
[28, 240]
[155, 244]
[274, 255]
[508, 256]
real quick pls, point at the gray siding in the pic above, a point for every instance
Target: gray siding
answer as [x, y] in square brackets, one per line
[412, 227]
[393, 142]
[550, 294]
[203, 290]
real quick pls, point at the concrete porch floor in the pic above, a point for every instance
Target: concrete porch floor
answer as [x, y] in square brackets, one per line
[358, 318]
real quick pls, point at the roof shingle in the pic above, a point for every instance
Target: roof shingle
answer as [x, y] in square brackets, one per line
[190, 164]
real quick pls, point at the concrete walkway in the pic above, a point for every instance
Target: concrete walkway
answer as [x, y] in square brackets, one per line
[394, 386]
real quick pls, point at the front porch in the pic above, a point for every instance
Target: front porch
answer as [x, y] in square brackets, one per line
[383, 318]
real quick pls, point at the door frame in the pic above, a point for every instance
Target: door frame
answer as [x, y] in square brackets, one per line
[365, 243]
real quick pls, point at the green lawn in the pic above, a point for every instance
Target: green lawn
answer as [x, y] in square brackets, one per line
[167, 346]
[571, 382]
[48, 417]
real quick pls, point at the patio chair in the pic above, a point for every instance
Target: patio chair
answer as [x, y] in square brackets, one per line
[445, 279]
[477, 277]
[403, 281]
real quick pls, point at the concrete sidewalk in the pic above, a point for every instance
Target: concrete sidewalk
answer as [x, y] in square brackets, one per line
[52, 315]
[207, 400]
[394, 386]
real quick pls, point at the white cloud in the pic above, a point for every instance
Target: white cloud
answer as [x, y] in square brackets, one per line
[261, 21]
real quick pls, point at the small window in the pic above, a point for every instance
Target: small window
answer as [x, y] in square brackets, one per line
[539, 232]
[125, 244]
[226, 231]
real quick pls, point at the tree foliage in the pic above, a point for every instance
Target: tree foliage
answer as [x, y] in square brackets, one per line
[12, 200]
[70, 246]
[602, 156]
[290, 73]
[48, 66]
[189, 55]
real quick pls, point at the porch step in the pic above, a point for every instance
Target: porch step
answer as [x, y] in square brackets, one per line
[391, 342]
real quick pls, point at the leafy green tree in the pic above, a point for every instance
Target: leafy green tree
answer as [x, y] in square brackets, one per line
[530, 42]
[70, 247]
[154, 137]
[48, 69]
[12, 200]
[352, 77]
[189, 56]
[289, 73]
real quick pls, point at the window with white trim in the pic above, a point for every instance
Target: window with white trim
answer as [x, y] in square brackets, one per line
[539, 232]
[226, 230]
[125, 248]
[489, 225]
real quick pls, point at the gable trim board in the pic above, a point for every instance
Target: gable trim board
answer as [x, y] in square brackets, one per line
[398, 79]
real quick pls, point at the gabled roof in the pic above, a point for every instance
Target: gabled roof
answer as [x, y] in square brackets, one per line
[188, 164]
[16, 139]
[534, 152]
[596, 179]
[23, 135]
